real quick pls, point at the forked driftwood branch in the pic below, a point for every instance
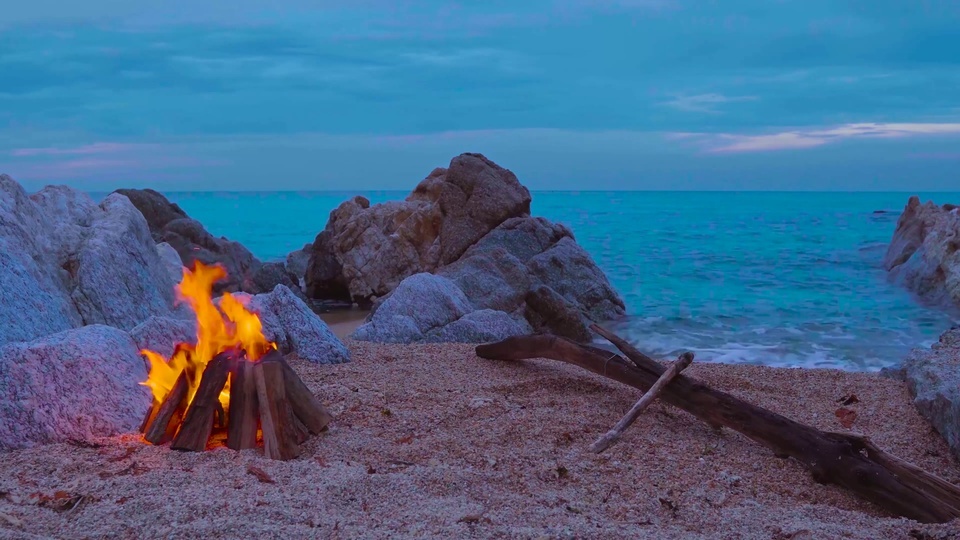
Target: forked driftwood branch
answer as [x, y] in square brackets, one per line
[849, 461]
[611, 437]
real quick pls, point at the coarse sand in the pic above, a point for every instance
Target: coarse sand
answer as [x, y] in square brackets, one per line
[430, 441]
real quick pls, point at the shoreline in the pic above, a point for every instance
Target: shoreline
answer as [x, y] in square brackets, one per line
[431, 441]
[343, 322]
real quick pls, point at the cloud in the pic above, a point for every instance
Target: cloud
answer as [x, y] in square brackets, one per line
[704, 102]
[103, 160]
[87, 149]
[724, 143]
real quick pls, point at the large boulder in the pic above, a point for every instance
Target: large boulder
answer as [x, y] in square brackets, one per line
[171, 261]
[294, 327]
[35, 302]
[933, 378]
[534, 267]
[549, 312]
[162, 334]
[74, 385]
[66, 261]
[366, 251]
[431, 308]
[156, 209]
[296, 264]
[268, 276]
[169, 223]
[924, 253]
[116, 276]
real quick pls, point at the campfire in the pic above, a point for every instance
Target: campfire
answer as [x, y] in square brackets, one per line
[233, 386]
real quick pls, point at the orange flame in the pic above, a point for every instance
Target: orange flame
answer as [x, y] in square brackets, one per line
[231, 326]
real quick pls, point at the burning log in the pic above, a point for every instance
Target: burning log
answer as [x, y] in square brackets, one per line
[265, 394]
[244, 410]
[198, 422]
[849, 461]
[161, 429]
[277, 421]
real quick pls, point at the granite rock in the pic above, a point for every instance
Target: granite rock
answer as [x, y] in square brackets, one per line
[79, 384]
[366, 251]
[933, 378]
[924, 253]
[294, 327]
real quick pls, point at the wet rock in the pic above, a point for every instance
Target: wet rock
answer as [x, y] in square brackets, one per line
[924, 253]
[74, 385]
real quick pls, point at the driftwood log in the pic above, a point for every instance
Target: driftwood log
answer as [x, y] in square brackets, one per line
[849, 461]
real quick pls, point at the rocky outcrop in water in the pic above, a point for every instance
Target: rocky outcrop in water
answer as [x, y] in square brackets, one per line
[469, 225]
[169, 223]
[924, 254]
[74, 385]
[933, 378]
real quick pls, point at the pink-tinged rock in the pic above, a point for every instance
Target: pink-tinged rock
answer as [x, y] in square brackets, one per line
[74, 385]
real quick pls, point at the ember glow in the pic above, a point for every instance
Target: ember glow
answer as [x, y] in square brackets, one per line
[229, 327]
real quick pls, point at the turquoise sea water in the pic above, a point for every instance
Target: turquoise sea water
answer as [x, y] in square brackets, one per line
[785, 279]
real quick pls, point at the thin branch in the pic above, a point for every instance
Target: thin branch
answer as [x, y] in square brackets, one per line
[612, 436]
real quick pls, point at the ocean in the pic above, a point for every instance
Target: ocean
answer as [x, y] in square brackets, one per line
[773, 278]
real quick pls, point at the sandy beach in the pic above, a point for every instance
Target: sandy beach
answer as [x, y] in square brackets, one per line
[430, 441]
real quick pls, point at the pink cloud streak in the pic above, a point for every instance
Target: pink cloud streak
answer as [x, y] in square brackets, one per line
[85, 150]
[730, 143]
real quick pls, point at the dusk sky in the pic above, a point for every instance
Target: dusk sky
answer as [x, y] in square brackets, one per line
[569, 94]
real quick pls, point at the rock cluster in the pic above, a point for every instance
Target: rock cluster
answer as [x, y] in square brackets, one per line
[460, 259]
[924, 254]
[66, 261]
[171, 225]
[366, 251]
[87, 286]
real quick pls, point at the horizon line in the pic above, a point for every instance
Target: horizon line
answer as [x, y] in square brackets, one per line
[381, 190]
